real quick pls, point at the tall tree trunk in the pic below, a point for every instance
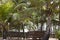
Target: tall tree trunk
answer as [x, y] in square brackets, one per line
[48, 23]
[49, 12]
[47, 34]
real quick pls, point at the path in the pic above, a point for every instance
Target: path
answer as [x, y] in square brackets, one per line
[53, 39]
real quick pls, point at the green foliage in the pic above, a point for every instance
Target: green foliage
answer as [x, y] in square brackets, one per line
[28, 10]
[58, 33]
[6, 8]
[16, 16]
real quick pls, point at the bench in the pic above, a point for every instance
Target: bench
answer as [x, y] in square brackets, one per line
[32, 35]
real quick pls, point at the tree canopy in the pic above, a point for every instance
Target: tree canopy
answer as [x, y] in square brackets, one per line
[36, 11]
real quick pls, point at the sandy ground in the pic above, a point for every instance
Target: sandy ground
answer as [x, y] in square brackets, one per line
[53, 39]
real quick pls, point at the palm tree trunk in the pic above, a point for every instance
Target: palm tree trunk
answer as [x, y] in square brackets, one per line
[47, 34]
[48, 15]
